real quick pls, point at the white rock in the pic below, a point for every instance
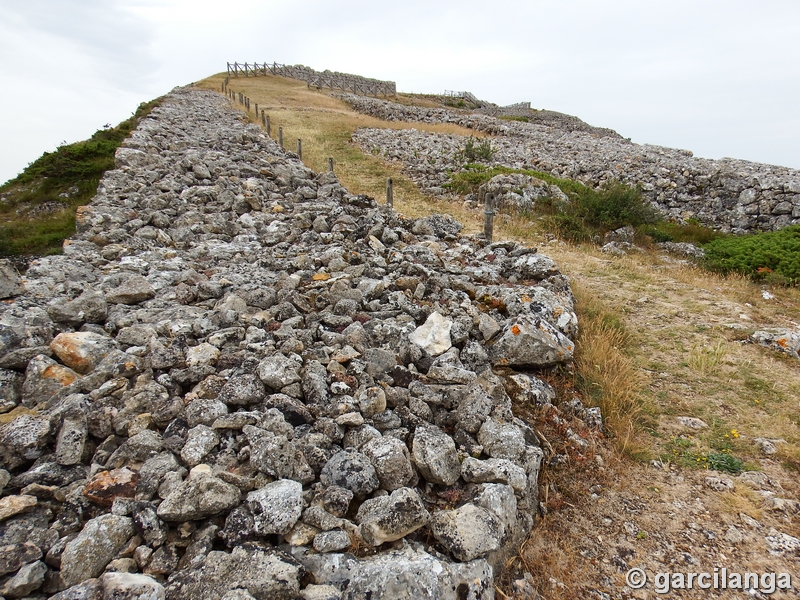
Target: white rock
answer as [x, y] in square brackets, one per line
[434, 335]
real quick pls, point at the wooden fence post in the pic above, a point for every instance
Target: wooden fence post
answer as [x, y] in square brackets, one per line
[488, 218]
[300, 148]
[263, 121]
[256, 110]
[389, 193]
[269, 133]
[280, 136]
[330, 164]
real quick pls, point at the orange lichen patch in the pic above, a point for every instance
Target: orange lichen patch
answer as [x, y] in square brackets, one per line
[516, 330]
[782, 342]
[104, 487]
[68, 347]
[525, 298]
[16, 412]
[82, 214]
[62, 375]
[321, 276]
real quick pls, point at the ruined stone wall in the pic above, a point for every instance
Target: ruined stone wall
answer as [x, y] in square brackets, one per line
[727, 194]
[239, 377]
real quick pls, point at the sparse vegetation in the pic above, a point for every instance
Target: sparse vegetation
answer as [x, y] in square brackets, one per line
[475, 150]
[37, 210]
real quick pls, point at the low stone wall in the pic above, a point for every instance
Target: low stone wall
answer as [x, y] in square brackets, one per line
[730, 195]
[239, 378]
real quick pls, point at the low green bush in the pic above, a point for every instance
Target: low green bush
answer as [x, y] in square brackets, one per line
[474, 150]
[773, 256]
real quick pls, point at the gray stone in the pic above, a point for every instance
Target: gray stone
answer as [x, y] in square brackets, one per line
[266, 574]
[91, 589]
[351, 470]
[530, 341]
[501, 440]
[403, 573]
[392, 517]
[200, 440]
[202, 495]
[434, 454]
[133, 290]
[131, 586]
[89, 307]
[14, 556]
[204, 411]
[23, 439]
[336, 500]
[278, 371]
[43, 378]
[28, 579]
[499, 499]
[96, 545]
[242, 390]
[468, 532]
[276, 507]
[331, 541]
[371, 401]
[71, 440]
[10, 282]
[320, 592]
[392, 462]
[494, 470]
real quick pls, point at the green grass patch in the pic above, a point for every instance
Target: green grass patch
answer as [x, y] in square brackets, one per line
[59, 182]
[588, 213]
[773, 257]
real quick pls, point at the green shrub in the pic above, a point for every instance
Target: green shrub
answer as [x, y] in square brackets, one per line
[773, 256]
[613, 206]
[475, 151]
[723, 461]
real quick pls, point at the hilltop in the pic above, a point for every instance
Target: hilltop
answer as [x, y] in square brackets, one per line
[659, 338]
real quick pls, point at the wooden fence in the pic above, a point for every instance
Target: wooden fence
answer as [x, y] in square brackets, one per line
[355, 84]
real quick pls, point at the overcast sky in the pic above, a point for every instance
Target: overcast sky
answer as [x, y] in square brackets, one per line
[720, 78]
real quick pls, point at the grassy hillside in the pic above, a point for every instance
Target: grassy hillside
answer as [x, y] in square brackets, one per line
[37, 208]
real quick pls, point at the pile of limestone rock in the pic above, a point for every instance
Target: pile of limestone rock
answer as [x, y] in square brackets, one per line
[727, 194]
[242, 381]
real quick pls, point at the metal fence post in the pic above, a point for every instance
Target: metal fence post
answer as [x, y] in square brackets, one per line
[389, 193]
[488, 220]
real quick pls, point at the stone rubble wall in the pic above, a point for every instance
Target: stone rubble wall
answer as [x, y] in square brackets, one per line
[355, 84]
[730, 195]
[241, 381]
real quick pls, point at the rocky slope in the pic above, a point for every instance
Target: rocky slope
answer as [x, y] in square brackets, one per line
[242, 381]
[731, 195]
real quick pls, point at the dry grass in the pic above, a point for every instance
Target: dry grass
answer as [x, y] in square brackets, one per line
[326, 124]
[606, 375]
